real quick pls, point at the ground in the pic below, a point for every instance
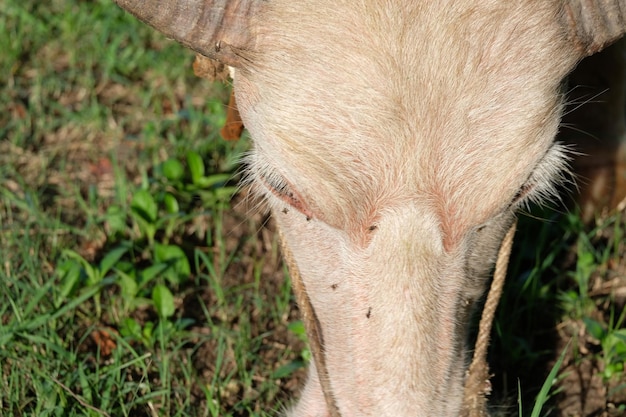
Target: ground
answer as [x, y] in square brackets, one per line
[84, 129]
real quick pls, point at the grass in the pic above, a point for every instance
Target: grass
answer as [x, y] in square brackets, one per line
[134, 280]
[562, 296]
[128, 284]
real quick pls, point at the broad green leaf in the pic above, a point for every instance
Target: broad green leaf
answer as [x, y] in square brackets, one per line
[128, 285]
[173, 170]
[174, 256]
[171, 204]
[297, 328]
[213, 180]
[93, 277]
[287, 369]
[612, 369]
[594, 328]
[620, 334]
[163, 301]
[151, 272]
[225, 192]
[131, 328]
[196, 166]
[111, 258]
[144, 206]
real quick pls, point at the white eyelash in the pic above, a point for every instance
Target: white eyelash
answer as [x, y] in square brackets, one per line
[552, 171]
[264, 182]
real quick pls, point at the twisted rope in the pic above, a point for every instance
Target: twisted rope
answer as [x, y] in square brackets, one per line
[477, 385]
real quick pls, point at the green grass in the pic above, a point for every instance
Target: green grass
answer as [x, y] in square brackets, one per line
[549, 314]
[121, 286]
[134, 281]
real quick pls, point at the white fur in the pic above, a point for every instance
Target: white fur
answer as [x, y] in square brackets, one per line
[394, 140]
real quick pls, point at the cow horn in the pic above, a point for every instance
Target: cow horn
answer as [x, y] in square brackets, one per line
[594, 24]
[217, 29]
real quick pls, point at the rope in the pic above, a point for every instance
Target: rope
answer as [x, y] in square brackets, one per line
[312, 326]
[477, 385]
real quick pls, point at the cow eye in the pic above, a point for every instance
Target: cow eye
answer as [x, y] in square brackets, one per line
[281, 189]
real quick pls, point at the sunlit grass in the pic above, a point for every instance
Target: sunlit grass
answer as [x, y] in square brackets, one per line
[134, 281]
[119, 291]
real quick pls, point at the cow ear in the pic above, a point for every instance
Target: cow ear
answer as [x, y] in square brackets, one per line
[217, 29]
[593, 25]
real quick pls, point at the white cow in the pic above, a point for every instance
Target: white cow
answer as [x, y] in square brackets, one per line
[394, 141]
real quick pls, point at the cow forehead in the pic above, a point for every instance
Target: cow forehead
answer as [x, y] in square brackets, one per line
[365, 106]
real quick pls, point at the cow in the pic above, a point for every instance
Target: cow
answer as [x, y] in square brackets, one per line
[394, 141]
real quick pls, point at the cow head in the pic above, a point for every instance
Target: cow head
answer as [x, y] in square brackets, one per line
[394, 141]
